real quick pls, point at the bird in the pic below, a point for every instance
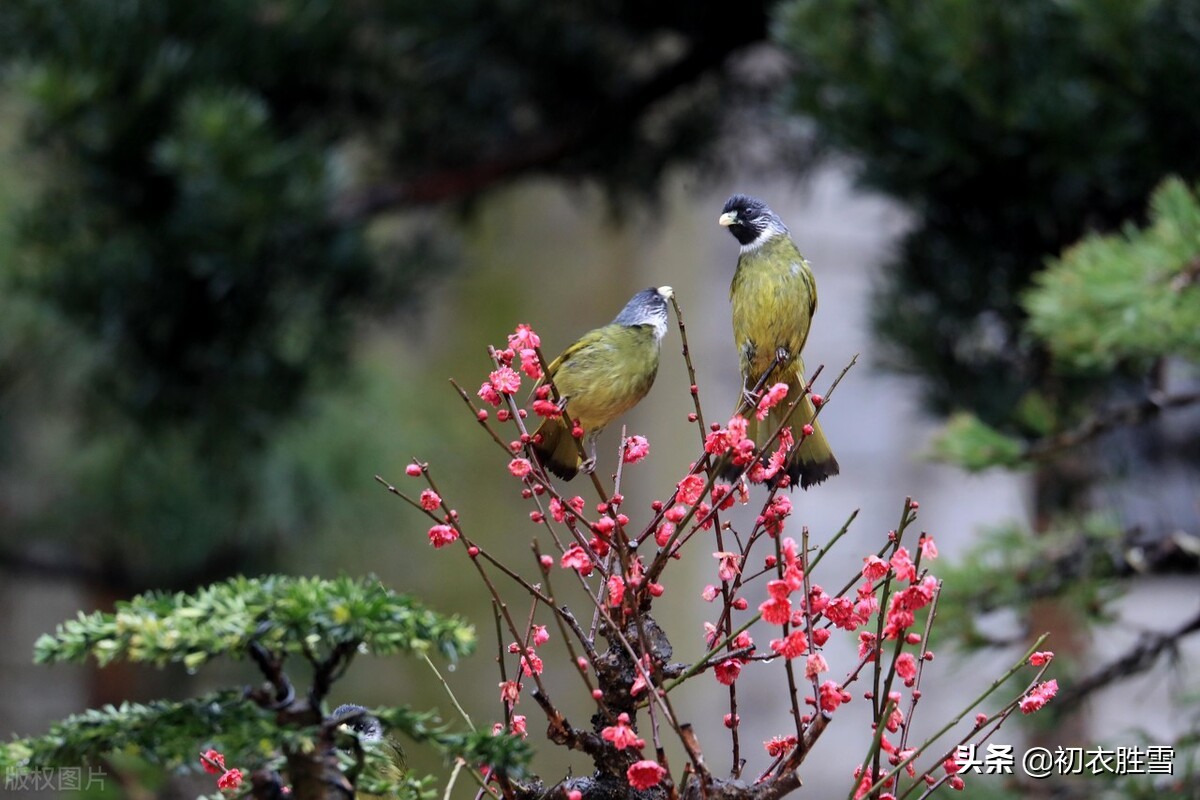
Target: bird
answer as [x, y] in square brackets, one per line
[600, 377]
[774, 297]
[369, 731]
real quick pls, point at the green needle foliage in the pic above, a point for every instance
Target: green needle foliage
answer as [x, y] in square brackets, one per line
[294, 616]
[1111, 303]
[1132, 297]
[271, 728]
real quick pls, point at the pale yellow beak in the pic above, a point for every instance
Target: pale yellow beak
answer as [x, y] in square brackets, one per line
[727, 219]
[667, 292]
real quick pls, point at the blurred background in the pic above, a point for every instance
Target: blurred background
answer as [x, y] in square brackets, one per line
[244, 246]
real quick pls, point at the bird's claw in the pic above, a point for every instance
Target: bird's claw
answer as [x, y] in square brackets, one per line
[587, 467]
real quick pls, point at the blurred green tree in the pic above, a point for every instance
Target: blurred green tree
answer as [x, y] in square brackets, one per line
[1125, 301]
[199, 246]
[1010, 130]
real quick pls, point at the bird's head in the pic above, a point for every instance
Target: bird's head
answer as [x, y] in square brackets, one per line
[359, 722]
[750, 220]
[647, 307]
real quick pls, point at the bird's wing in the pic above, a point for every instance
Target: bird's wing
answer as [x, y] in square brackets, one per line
[585, 341]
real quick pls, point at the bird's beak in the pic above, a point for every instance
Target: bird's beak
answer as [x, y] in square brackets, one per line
[667, 292]
[727, 219]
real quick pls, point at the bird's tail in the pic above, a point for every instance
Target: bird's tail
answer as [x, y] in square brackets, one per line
[812, 461]
[556, 450]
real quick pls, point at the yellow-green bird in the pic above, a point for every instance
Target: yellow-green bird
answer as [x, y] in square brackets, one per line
[600, 377]
[371, 736]
[774, 297]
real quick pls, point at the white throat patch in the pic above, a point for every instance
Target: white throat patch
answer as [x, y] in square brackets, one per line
[772, 229]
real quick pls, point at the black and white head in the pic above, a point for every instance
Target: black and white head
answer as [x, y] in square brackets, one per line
[751, 221]
[367, 727]
[647, 307]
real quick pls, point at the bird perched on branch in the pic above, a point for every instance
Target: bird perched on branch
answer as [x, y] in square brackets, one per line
[371, 736]
[774, 297]
[603, 375]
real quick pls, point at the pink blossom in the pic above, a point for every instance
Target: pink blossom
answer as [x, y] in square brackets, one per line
[770, 399]
[213, 762]
[717, 443]
[576, 558]
[622, 735]
[727, 568]
[728, 670]
[430, 500]
[840, 611]
[874, 568]
[636, 448]
[505, 380]
[790, 551]
[896, 718]
[928, 548]
[866, 645]
[1041, 658]
[412, 470]
[442, 535]
[778, 609]
[772, 519]
[616, 590]
[867, 603]
[663, 533]
[832, 696]
[722, 496]
[547, 409]
[675, 513]
[487, 392]
[524, 338]
[778, 745]
[793, 576]
[531, 664]
[644, 774]
[520, 467]
[540, 635]
[690, 489]
[903, 564]
[517, 726]
[761, 473]
[906, 668]
[792, 645]
[1038, 696]
[639, 680]
[530, 364]
[710, 593]
[510, 692]
[814, 665]
[232, 779]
